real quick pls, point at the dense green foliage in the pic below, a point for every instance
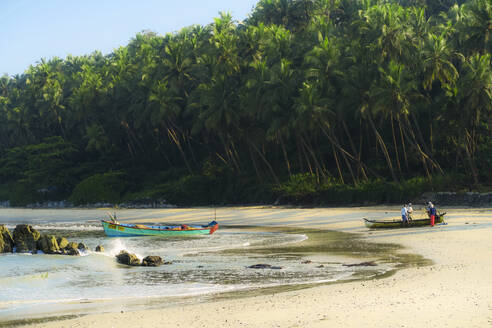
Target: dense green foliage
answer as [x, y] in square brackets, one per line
[326, 101]
[107, 187]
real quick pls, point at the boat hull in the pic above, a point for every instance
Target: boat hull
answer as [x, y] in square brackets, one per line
[113, 229]
[384, 224]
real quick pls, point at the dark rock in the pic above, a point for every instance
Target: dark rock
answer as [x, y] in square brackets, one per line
[126, 258]
[48, 244]
[264, 266]
[320, 266]
[72, 248]
[62, 242]
[71, 251]
[25, 238]
[82, 247]
[167, 262]
[99, 248]
[307, 262]
[6, 240]
[72, 245]
[370, 263]
[152, 261]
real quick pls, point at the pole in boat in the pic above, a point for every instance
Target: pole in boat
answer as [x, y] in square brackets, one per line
[112, 216]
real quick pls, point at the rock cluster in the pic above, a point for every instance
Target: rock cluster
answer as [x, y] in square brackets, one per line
[127, 258]
[26, 239]
[6, 240]
[152, 261]
[49, 245]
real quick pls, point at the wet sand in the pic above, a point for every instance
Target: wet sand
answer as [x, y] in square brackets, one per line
[455, 291]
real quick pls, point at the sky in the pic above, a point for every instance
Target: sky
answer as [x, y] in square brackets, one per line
[35, 29]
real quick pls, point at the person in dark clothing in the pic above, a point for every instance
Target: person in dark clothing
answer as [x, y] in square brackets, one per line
[431, 211]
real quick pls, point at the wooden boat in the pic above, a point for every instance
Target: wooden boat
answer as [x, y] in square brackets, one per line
[115, 229]
[398, 223]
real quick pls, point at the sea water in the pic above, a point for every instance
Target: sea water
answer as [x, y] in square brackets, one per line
[33, 285]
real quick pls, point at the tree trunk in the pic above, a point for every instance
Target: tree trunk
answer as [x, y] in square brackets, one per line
[266, 162]
[306, 158]
[286, 158]
[419, 133]
[336, 144]
[403, 143]
[235, 156]
[383, 147]
[190, 147]
[360, 168]
[172, 135]
[160, 147]
[413, 141]
[467, 145]
[395, 145]
[338, 164]
[315, 159]
[260, 179]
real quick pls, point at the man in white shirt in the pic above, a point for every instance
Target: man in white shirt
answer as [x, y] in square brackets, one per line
[404, 214]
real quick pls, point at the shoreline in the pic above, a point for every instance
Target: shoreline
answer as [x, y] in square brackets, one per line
[462, 199]
[453, 292]
[324, 248]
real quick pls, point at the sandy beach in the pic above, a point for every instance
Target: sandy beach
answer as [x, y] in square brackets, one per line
[455, 291]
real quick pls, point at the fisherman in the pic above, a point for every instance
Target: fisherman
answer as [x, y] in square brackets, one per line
[409, 211]
[431, 211]
[404, 214]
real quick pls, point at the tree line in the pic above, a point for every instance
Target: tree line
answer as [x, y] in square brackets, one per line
[332, 101]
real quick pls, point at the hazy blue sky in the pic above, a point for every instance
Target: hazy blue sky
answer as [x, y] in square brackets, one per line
[35, 29]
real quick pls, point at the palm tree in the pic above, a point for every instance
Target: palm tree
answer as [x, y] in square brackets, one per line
[164, 112]
[5, 104]
[394, 94]
[437, 63]
[217, 96]
[292, 14]
[268, 82]
[323, 71]
[473, 107]
[475, 27]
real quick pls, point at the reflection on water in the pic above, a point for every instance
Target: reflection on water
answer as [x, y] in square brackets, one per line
[201, 265]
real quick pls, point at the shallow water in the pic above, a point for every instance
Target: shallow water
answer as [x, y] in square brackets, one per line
[37, 285]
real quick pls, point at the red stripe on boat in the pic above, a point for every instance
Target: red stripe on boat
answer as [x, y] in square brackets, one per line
[214, 228]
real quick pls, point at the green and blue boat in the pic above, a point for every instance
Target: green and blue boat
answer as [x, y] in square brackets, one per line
[116, 229]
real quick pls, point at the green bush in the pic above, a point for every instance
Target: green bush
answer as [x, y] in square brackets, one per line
[4, 192]
[304, 189]
[194, 189]
[336, 194]
[23, 194]
[484, 162]
[106, 187]
[415, 187]
[188, 190]
[299, 185]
